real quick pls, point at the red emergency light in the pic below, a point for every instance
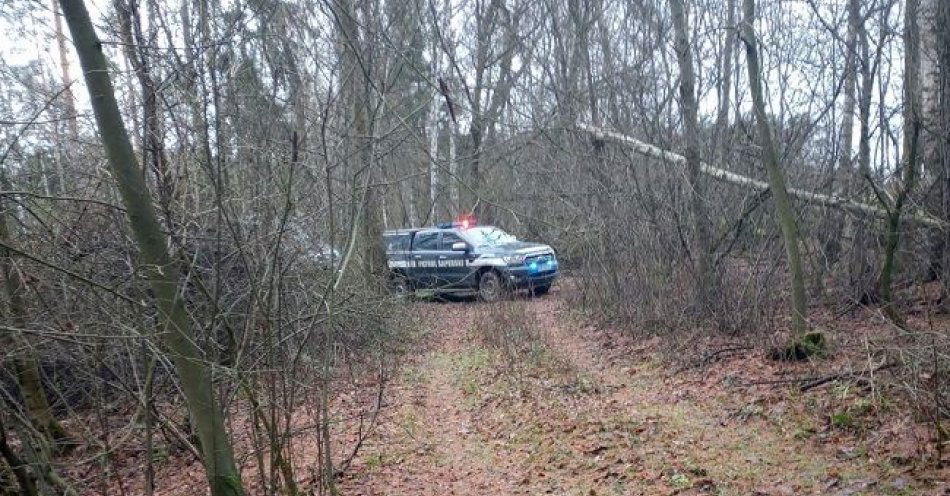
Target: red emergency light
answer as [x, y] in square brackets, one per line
[466, 221]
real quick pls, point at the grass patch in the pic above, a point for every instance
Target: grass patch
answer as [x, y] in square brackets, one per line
[466, 369]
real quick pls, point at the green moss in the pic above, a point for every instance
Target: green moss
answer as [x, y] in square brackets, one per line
[812, 344]
[842, 420]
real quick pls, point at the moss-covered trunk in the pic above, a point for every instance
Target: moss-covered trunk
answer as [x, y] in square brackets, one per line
[783, 205]
[911, 140]
[175, 331]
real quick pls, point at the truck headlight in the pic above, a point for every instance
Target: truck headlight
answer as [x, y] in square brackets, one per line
[513, 259]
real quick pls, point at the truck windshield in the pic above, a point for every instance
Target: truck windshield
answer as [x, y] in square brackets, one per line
[488, 236]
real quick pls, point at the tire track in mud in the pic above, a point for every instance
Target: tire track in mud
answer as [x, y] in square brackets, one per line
[465, 420]
[572, 410]
[430, 443]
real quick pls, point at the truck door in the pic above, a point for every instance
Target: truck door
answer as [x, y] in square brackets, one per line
[423, 261]
[397, 252]
[452, 264]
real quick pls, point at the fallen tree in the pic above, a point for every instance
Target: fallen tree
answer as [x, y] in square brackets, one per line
[649, 150]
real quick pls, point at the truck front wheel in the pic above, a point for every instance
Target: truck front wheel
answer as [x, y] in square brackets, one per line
[540, 290]
[491, 287]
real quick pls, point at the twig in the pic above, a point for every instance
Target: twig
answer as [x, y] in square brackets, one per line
[70, 273]
[846, 375]
[813, 382]
[712, 356]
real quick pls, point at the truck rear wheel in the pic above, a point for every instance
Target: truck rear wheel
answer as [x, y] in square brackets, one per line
[491, 287]
[400, 287]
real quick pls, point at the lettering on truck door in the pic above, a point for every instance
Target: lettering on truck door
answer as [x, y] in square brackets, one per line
[425, 257]
[452, 264]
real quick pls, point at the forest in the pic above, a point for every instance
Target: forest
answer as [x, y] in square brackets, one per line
[749, 201]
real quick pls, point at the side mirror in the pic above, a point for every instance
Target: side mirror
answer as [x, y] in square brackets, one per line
[459, 246]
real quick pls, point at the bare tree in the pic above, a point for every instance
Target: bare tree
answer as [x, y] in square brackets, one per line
[909, 155]
[176, 332]
[705, 285]
[786, 216]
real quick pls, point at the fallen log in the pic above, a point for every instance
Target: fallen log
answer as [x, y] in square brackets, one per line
[833, 201]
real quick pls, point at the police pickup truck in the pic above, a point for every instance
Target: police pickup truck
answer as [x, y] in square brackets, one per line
[457, 258]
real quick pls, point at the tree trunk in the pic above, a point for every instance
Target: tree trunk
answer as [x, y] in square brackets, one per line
[841, 176]
[697, 187]
[28, 376]
[455, 199]
[433, 127]
[723, 175]
[725, 84]
[850, 68]
[374, 255]
[153, 146]
[355, 58]
[935, 132]
[786, 216]
[860, 272]
[910, 145]
[19, 468]
[69, 100]
[191, 365]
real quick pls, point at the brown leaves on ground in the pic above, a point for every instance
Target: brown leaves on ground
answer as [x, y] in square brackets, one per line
[521, 398]
[591, 411]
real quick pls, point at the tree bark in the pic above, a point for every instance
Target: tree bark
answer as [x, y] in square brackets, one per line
[69, 99]
[357, 85]
[19, 468]
[725, 84]
[723, 175]
[910, 145]
[842, 176]
[153, 146]
[433, 128]
[849, 89]
[697, 187]
[176, 332]
[786, 216]
[935, 133]
[28, 376]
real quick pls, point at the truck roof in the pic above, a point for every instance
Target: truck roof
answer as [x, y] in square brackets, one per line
[406, 230]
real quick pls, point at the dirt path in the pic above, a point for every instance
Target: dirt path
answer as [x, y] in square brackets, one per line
[519, 399]
[428, 442]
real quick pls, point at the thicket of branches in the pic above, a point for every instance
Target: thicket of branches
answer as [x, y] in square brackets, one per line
[278, 139]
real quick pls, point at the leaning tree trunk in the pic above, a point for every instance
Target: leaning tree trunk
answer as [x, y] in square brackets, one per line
[910, 144]
[704, 277]
[223, 476]
[776, 179]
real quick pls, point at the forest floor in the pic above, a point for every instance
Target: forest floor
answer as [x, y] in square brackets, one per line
[523, 398]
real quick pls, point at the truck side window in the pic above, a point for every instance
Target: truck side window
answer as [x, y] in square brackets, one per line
[426, 241]
[448, 239]
[398, 242]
